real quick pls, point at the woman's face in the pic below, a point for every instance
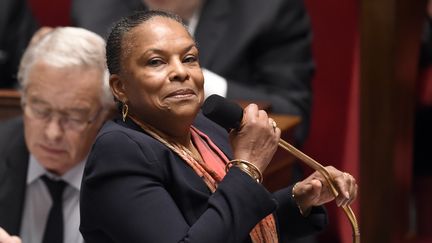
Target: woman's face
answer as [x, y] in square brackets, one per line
[160, 77]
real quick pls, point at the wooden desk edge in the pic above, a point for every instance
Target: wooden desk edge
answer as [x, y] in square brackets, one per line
[10, 93]
[285, 122]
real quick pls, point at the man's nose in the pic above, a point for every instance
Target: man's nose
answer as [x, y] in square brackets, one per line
[54, 129]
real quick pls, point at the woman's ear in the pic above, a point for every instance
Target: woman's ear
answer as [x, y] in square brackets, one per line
[117, 88]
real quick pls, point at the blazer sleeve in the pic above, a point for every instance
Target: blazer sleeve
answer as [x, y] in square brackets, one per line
[124, 199]
[292, 224]
[283, 64]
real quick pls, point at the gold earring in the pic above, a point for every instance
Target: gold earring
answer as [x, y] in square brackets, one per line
[125, 110]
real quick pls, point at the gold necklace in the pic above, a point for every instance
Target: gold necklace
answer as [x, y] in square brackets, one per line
[180, 149]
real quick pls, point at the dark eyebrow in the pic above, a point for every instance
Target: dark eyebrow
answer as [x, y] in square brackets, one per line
[190, 47]
[156, 50]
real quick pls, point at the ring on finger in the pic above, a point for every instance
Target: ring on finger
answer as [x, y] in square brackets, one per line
[274, 125]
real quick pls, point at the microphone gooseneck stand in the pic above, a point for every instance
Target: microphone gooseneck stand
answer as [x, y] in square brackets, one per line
[323, 171]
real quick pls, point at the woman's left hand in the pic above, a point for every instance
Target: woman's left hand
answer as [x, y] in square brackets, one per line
[315, 191]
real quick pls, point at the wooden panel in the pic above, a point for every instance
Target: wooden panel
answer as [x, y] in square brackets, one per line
[9, 104]
[390, 40]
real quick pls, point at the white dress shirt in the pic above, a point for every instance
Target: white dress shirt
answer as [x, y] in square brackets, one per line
[38, 203]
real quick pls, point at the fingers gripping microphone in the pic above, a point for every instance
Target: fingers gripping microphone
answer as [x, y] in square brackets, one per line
[225, 113]
[229, 115]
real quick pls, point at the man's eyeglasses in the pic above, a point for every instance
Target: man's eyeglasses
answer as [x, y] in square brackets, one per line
[74, 121]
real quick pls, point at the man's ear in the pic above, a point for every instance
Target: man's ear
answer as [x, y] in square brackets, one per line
[118, 88]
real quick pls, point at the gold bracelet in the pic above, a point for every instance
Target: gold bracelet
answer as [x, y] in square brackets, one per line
[305, 214]
[246, 167]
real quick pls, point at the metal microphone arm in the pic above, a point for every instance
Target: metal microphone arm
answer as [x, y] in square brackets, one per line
[323, 171]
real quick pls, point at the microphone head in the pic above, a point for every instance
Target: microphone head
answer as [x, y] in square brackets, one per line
[225, 113]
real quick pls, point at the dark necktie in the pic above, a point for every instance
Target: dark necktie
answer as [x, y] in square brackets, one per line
[54, 225]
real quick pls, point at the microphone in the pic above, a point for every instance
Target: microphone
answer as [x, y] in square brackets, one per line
[229, 115]
[225, 113]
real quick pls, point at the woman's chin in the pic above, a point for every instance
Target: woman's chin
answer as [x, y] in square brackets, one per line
[184, 111]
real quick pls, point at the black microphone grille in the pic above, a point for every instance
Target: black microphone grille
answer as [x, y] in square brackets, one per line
[225, 113]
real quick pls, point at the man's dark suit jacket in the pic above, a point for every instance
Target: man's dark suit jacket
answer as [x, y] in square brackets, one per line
[17, 26]
[262, 47]
[135, 189]
[14, 158]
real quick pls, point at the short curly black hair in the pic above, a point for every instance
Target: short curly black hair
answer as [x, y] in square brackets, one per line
[123, 26]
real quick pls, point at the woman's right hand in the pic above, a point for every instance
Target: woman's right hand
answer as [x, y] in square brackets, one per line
[257, 138]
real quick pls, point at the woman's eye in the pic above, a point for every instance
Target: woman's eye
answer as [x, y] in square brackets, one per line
[190, 58]
[155, 62]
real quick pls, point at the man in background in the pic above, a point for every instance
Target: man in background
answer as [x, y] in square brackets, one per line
[65, 99]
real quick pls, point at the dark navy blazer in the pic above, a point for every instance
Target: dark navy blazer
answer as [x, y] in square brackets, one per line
[135, 189]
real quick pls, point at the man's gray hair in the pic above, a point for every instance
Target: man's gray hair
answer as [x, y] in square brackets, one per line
[68, 47]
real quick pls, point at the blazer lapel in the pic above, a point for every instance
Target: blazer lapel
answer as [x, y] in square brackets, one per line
[13, 174]
[211, 28]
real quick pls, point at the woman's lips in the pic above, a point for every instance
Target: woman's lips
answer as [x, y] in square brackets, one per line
[181, 93]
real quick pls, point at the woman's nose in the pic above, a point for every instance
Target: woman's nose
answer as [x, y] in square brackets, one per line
[179, 72]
